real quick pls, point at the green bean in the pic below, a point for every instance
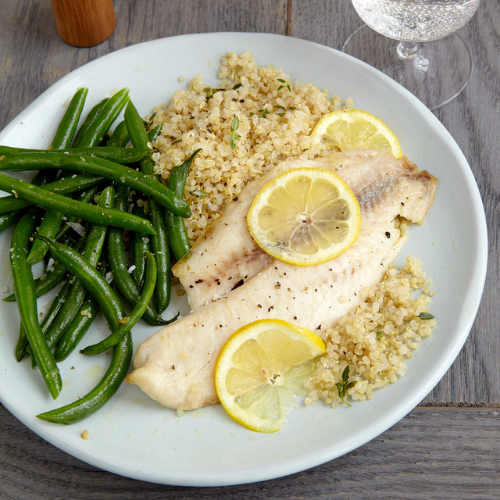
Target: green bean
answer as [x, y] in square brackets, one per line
[6, 220]
[92, 251]
[77, 329]
[67, 185]
[10, 217]
[160, 243]
[177, 233]
[121, 174]
[154, 133]
[92, 280]
[22, 343]
[84, 197]
[119, 138]
[161, 250]
[140, 245]
[91, 213]
[56, 306]
[134, 316]
[49, 280]
[87, 123]
[138, 135]
[102, 393]
[41, 179]
[49, 227]
[69, 122]
[26, 300]
[120, 155]
[108, 114]
[67, 312]
[122, 279]
[81, 322]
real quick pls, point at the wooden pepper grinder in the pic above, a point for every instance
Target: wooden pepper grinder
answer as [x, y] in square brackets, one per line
[84, 23]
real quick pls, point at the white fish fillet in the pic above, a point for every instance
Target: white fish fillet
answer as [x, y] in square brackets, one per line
[226, 255]
[176, 365]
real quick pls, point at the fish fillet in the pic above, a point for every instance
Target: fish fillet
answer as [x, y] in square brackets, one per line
[226, 256]
[176, 365]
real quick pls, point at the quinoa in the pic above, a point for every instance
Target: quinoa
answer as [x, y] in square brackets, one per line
[275, 117]
[376, 338]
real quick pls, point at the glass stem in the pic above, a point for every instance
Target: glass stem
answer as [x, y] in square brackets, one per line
[407, 50]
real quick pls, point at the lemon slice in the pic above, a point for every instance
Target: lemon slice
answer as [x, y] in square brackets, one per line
[261, 369]
[305, 216]
[351, 129]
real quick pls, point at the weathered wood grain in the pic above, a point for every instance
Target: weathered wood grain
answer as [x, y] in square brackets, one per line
[431, 454]
[435, 452]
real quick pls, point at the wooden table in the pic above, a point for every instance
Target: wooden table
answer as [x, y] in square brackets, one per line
[449, 446]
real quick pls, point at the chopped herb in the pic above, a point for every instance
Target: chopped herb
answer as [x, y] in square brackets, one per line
[233, 139]
[175, 142]
[150, 121]
[345, 385]
[423, 315]
[281, 113]
[264, 112]
[284, 110]
[210, 91]
[284, 83]
[199, 194]
[379, 334]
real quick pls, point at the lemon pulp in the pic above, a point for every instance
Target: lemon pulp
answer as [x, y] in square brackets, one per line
[305, 216]
[261, 370]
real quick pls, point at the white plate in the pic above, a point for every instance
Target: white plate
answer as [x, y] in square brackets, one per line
[135, 437]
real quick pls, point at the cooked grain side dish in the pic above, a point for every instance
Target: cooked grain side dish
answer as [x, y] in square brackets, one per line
[376, 337]
[275, 116]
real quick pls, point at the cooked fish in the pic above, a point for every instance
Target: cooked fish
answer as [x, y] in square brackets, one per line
[176, 365]
[226, 255]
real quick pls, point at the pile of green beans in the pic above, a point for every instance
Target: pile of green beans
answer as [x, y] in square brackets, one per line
[83, 215]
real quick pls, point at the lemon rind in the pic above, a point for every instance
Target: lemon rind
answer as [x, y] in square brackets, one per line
[240, 336]
[349, 115]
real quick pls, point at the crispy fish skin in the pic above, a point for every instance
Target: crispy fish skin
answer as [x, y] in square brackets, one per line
[176, 365]
[226, 256]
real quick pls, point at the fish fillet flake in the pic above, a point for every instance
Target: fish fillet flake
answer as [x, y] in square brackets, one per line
[176, 365]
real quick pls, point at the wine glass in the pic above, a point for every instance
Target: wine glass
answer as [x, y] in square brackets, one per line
[430, 60]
